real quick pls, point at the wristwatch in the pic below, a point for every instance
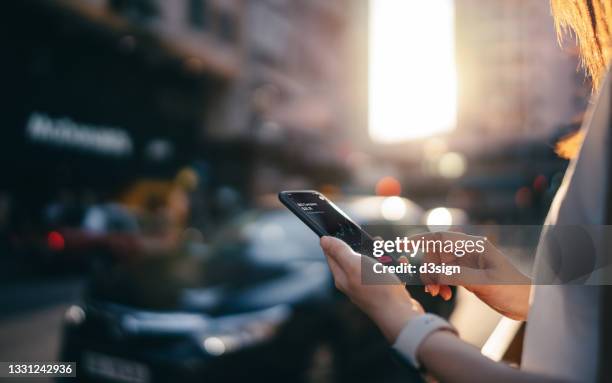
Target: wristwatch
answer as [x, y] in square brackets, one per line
[415, 332]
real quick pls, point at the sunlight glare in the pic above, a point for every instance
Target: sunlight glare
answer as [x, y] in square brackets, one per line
[412, 74]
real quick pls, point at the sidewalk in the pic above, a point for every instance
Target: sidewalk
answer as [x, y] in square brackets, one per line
[33, 293]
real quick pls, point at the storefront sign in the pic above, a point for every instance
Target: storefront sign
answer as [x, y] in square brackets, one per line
[68, 133]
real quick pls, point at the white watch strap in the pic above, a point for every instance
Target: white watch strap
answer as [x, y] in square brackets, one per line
[415, 331]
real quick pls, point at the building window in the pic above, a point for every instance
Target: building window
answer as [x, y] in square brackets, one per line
[228, 27]
[198, 13]
[135, 9]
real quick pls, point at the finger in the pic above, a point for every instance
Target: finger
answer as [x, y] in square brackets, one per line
[445, 292]
[431, 256]
[337, 272]
[428, 287]
[333, 266]
[428, 278]
[466, 276]
[434, 290]
[338, 250]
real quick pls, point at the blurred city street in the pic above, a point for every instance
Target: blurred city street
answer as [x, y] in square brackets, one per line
[33, 335]
[32, 314]
[146, 142]
[31, 322]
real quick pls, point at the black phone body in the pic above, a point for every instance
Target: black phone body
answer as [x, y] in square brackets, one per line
[325, 218]
[320, 214]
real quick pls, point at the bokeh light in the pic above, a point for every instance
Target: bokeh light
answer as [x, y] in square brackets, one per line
[523, 196]
[452, 165]
[540, 183]
[388, 186]
[214, 345]
[393, 208]
[438, 219]
[55, 241]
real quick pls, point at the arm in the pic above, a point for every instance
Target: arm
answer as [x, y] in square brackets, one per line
[450, 359]
[511, 301]
[390, 306]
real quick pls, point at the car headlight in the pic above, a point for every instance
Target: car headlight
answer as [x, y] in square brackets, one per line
[74, 316]
[236, 332]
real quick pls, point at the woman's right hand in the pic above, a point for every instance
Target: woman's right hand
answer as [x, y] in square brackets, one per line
[487, 274]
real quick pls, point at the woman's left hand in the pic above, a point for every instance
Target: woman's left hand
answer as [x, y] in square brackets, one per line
[390, 306]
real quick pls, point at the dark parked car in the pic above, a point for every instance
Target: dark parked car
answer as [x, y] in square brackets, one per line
[259, 305]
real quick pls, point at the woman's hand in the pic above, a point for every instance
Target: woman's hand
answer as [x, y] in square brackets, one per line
[446, 356]
[488, 274]
[390, 306]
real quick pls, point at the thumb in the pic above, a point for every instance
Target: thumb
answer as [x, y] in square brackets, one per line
[465, 277]
[336, 249]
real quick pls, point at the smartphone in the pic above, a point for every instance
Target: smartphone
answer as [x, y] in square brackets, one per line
[325, 218]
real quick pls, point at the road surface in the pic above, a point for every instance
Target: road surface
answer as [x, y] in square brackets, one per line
[31, 313]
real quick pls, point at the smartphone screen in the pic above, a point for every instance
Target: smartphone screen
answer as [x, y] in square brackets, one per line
[325, 218]
[317, 208]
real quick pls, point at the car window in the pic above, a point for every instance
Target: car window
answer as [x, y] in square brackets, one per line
[268, 237]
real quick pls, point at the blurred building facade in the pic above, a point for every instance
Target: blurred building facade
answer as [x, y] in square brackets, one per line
[289, 104]
[515, 81]
[519, 91]
[249, 93]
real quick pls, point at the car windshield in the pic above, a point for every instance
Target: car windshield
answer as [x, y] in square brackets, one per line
[257, 246]
[267, 237]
